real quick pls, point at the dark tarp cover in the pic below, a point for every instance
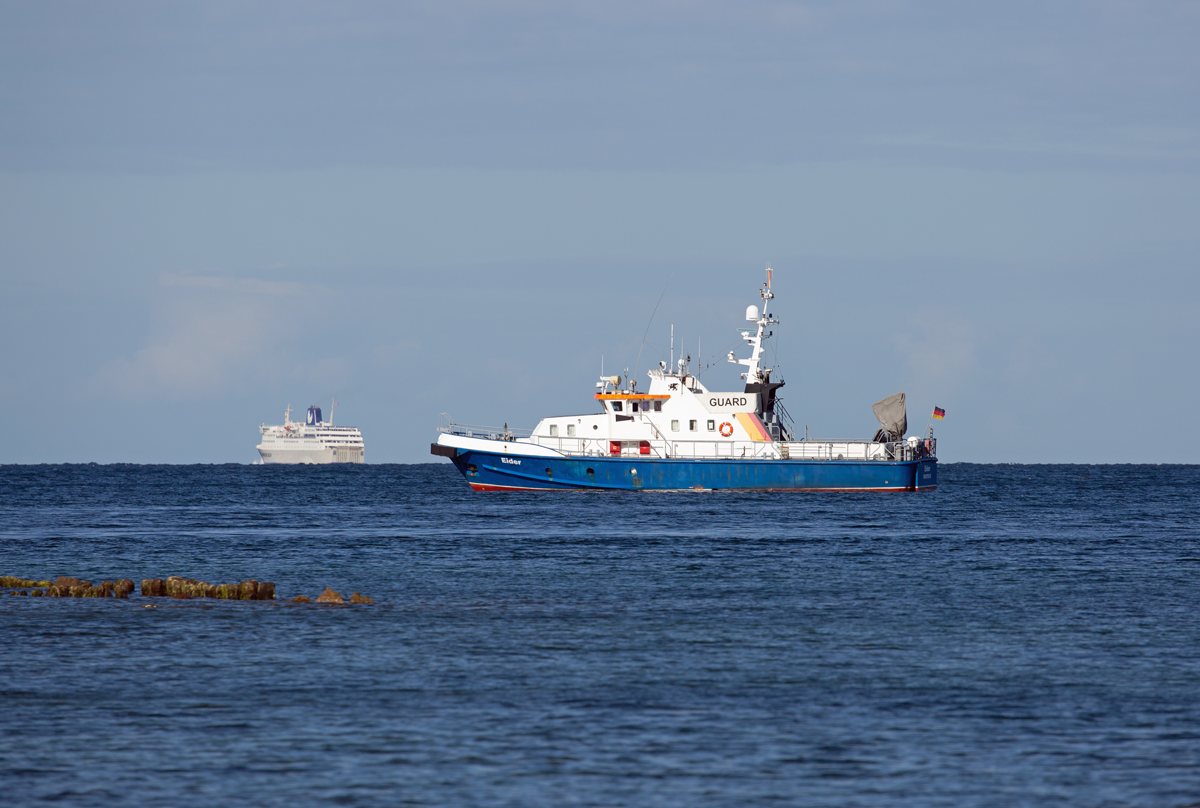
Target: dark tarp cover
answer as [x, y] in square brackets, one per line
[891, 414]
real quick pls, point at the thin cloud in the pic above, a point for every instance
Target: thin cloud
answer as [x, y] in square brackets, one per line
[939, 349]
[212, 333]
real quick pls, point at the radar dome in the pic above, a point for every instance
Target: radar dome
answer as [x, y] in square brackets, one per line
[752, 313]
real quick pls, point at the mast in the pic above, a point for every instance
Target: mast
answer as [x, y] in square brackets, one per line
[754, 373]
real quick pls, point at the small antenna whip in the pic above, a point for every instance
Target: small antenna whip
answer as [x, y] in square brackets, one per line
[638, 365]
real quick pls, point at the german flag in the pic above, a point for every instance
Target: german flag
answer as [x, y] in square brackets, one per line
[939, 413]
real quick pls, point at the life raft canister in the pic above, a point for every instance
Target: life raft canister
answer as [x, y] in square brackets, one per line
[726, 429]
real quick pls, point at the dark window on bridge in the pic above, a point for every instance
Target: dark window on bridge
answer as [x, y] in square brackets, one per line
[616, 405]
[658, 406]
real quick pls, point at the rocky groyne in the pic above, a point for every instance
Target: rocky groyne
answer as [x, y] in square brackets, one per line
[175, 587]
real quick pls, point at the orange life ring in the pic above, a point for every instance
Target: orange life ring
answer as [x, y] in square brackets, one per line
[726, 429]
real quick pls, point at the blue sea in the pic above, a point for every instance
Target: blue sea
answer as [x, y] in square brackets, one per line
[1025, 635]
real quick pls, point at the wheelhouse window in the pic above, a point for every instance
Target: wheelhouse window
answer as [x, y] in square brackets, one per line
[658, 406]
[692, 426]
[616, 405]
[674, 426]
[712, 426]
[553, 430]
[633, 406]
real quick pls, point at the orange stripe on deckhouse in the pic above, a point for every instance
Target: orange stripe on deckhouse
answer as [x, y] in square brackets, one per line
[628, 396]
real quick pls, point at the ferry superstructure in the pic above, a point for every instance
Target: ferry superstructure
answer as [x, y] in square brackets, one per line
[680, 435]
[313, 441]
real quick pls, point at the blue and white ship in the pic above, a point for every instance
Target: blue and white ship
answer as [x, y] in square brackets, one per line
[679, 435]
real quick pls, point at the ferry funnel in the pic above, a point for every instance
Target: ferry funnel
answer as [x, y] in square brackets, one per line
[314, 416]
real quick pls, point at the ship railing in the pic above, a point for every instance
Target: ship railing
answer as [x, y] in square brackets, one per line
[857, 450]
[715, 449]
[446, 424]
[785, 418]
[661, 447]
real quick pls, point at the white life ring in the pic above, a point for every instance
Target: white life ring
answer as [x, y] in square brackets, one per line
[726, 429]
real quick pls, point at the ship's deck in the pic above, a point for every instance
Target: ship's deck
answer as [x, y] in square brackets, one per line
[663, 448]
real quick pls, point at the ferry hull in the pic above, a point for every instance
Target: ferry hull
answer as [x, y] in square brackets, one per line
[486, 471]
[309, 456]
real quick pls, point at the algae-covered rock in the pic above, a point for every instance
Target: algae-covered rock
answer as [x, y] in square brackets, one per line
[109, 585]
[248, 590]
[357, 598]
[174, 586]
[123, 588]
[53, 592]
[63, 582]
[228, 592]
[13, 582]
[42, 584]
[329, 596]
[37, 593]
[301, 599]
[79, 591]
[266, 591]
[212, 591]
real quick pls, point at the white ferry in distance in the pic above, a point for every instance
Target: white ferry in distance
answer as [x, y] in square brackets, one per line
[678, 434]
[314, 441]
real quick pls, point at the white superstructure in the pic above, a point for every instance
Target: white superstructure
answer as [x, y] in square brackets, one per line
[313, 441]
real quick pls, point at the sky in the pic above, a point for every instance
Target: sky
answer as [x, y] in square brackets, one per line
[212, 211]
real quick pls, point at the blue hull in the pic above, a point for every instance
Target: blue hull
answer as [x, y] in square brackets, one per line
[486, 471]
